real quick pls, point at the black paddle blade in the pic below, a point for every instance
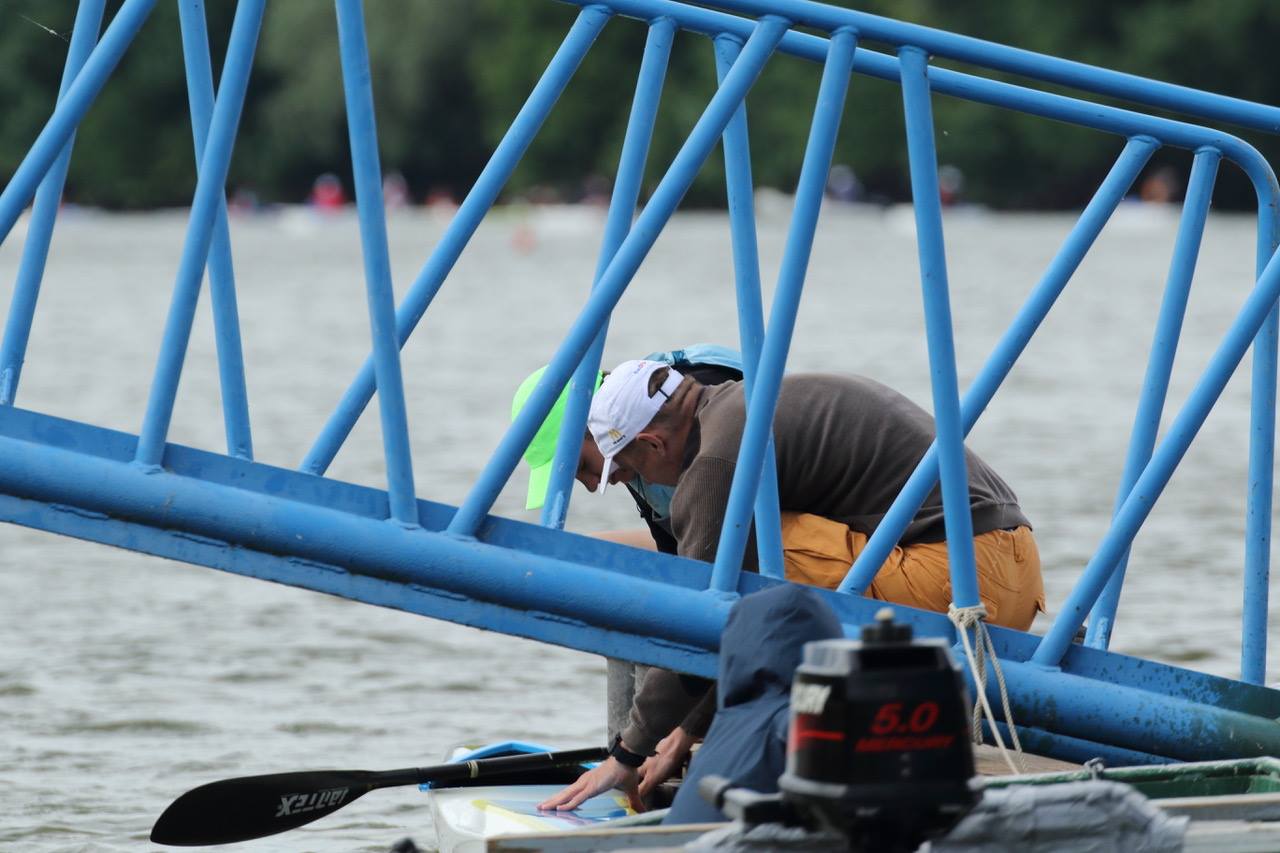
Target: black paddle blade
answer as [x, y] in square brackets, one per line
[254, 806]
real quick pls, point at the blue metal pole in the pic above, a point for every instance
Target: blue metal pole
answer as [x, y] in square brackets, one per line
[362, 130]
[741, 200]
[1142, 498]
[1155, 385]
[626, 261]
[1073, 749]
[1262, 433]
[35, 251]
[222, 282]
[472, 210]
[1125, 716]
[786, 304]
[1086, 230]
[195, 250]
[1257, 557]
[1001, 57]
[937, 313]
[622, 209]
[75, 102]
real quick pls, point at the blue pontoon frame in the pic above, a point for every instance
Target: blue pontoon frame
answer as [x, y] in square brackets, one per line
[393, 549]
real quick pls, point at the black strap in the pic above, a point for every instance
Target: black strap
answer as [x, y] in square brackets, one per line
[625, 757]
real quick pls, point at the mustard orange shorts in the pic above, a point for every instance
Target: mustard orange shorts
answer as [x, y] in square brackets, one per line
[819, 551]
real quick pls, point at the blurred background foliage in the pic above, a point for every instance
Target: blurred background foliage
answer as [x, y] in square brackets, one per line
[450, 74]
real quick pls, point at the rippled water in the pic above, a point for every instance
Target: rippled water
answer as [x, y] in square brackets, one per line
[126, 679]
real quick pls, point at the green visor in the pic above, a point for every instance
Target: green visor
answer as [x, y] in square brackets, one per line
[542, 450]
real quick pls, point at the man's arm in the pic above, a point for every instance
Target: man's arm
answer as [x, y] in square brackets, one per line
[664, 700]
[697, 721]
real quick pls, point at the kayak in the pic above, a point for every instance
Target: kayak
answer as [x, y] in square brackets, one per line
[466, 816]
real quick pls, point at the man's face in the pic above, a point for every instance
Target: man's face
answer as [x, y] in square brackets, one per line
[591, 463]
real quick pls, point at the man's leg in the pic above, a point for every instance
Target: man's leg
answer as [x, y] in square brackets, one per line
[1009, 581]
[1009, 577]
[819, 551]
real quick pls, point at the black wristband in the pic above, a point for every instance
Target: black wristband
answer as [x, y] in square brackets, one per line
[625, 757]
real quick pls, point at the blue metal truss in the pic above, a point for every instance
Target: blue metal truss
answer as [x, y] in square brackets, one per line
[530, 581]
[392, 549]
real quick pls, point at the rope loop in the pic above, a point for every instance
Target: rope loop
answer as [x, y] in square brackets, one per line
[977, 654]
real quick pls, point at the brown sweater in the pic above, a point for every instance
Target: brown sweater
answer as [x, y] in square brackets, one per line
[845, 447]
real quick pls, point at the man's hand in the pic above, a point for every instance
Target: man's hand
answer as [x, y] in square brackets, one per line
[608, 774]
[658, 768]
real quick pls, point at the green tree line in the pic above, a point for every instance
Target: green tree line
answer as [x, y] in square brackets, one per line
[449, 75]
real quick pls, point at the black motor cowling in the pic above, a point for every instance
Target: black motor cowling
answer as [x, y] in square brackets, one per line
[879, 746]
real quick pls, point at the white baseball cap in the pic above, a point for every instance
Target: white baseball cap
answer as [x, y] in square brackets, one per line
[622, 408]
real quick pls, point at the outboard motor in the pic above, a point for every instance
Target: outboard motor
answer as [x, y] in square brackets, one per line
[879, 746]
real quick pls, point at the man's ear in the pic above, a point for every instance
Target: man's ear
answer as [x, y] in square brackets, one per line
[652, 441]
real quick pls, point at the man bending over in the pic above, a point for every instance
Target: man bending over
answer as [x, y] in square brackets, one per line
[845, 447]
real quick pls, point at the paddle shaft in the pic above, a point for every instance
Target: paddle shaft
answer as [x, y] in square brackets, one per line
[456, 771]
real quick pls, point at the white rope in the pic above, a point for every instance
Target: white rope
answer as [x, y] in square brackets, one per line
[965, 618]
